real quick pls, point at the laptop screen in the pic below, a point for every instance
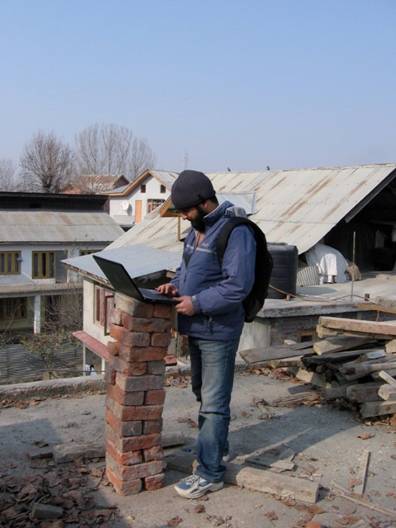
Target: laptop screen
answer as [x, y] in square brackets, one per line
[118, 277]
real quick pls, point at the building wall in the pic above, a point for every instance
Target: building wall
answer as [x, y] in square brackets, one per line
[89, 325]
[153, 192]
[73, 250]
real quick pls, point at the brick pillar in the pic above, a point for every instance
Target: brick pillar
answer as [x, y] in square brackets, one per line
[135, 395]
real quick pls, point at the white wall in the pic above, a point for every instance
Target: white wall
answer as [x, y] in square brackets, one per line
[153, 192]
[73, 250]
[89, 325]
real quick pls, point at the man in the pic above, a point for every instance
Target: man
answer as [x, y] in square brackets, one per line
[211, 314]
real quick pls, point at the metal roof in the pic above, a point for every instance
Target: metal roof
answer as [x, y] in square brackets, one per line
[296, 206]
[138, 260]
[57, 227]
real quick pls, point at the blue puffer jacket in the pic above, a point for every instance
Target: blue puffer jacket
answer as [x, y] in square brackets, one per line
[217, 291]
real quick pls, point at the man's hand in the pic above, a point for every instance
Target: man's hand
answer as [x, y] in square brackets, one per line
[185, 305]
[167, 289]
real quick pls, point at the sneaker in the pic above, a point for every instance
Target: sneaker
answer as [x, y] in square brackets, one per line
[195, 486]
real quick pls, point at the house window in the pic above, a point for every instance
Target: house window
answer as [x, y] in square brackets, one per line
[153, 204]
[13, 309]
[143, 188]
[162, 189]
[43, 264]
[104, 305]
[9, 262]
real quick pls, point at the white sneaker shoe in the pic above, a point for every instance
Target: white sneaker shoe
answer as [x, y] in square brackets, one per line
[195, 486]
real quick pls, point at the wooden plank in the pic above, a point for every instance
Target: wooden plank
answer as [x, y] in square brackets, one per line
[339, 344]
[373, 307]
[390, 347]
[340, 357]
[324, 332]
[356, 371]
[364, 464]
[363, 392]
[387, 377]
[359, 325]
[391, 372]
[370, 409]
[387, 392]
[311, 377]
[260, 355]
[256, 479]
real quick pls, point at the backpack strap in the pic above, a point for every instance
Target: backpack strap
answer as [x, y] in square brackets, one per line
[226, 230]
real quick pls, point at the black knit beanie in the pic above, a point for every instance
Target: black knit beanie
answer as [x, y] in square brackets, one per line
[190, 189]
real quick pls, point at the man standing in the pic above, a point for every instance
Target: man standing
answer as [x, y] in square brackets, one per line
[210, 292]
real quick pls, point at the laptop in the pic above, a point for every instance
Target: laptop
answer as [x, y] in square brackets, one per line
[122, 282]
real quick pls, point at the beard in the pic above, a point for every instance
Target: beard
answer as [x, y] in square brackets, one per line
[198, 223]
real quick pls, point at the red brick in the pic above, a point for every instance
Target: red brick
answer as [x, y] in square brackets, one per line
[130, 413]
[153, 426]
[170, 360]
[113, 347]
[154, 397]
[139, 383]
[132, 443]
[153, 453]
[155, 482]
[110, 375]
[133, 307]
[129, 369]
[136, 471]
[114, 392]
[124, 429]
[125, 337]
[163, 311]
[135, 354]
[161, 340]
[130, 487]
[155, 367]
[139, 324]
[125, 459]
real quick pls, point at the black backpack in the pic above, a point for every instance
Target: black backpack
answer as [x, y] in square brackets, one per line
[255, 300]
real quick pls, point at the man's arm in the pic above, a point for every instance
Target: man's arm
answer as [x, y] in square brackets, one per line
[239, 274]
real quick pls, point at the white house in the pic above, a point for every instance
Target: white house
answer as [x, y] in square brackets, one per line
[129, 204]
[38, 231]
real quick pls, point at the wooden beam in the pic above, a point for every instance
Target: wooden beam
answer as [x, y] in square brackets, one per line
[359, 370]
[387, 392]
[339, 344]
[369, 409]
[364, 464]
[258, 355]
[390, 347]
[387, 377]
[256, 479]
[359, 325]
[363, 392]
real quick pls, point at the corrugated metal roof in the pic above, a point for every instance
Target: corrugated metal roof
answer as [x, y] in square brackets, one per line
[297, 206]
[165, 177]
[57, 226]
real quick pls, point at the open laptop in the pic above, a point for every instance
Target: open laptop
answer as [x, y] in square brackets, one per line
[122, 282]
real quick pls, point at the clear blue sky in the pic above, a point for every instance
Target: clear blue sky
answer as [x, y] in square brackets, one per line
[235, 83]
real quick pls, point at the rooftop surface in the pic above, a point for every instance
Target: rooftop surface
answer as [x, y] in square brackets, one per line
[327, 442]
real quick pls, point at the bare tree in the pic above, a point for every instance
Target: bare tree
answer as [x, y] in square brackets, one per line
[47, 163]
[7, 175]
[109, 149]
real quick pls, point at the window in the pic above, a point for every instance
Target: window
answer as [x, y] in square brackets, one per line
[104, 304]
[143, 188]
[13, 309]
[43, 264]
[9, 262]
[153, 204]
[162, 189]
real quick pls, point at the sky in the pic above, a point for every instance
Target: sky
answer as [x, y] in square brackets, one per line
[210, 84]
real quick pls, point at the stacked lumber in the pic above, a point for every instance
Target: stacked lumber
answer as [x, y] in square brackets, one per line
[354, 360]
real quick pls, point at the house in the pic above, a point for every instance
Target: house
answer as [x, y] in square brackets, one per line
[37, 231]
[299, 207]
[129, 204]
[95, 183]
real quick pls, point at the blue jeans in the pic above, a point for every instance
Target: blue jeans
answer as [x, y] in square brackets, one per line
[212, 377]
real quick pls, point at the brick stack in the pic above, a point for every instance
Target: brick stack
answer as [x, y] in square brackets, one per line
[135, 395]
